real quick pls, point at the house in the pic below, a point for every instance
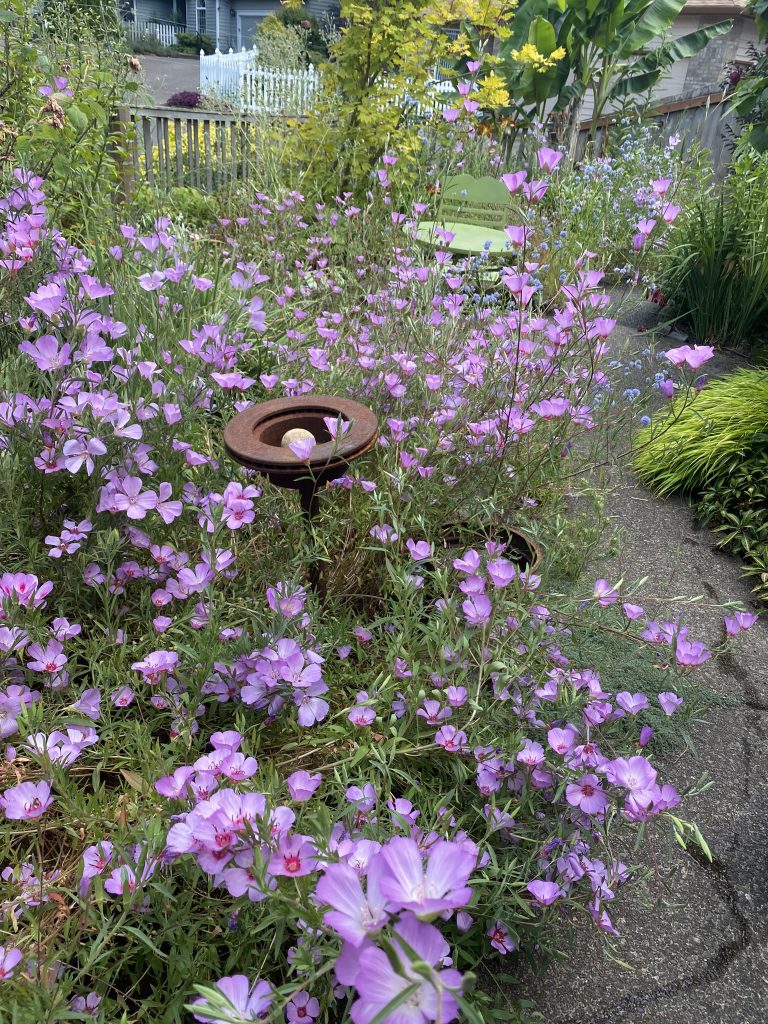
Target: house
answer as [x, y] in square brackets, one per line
[229, 23]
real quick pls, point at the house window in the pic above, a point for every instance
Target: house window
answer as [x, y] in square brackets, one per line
[200, 22]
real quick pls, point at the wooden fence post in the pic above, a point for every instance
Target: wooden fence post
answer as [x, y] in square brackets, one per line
[122, 142]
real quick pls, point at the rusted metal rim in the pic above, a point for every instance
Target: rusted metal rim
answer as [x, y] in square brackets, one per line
[253, 437]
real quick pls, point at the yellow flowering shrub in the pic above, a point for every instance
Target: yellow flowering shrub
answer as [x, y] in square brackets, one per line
[528, 54]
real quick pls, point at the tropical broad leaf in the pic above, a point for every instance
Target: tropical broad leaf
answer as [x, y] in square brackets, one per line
[694, 42]
[655, 20]
[635, 84]
[679, 49]
[542, 35]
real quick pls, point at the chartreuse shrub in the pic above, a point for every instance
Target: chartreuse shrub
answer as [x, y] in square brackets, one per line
[714, 273]
[221, 783]
[692, 443]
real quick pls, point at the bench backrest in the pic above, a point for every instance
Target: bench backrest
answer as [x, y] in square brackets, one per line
[485, 202]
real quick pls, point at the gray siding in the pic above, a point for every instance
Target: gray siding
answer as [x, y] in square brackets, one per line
[319, 8]
[160, 9]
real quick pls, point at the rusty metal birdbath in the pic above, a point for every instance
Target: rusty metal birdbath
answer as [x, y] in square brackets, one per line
[256, 438]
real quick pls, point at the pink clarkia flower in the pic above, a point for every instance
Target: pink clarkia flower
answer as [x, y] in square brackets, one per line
[739, 622]
[500, 938]
[46, 353]
[477, 609]
[10, 958]
[296, 855]
[451, 739]
[548, 158]
[669, 702]
[587, 795]
[131, 498]
[514, 181]
[27, 800]
[691, 653]
[694, 357]
[302, 785]
[605, 593]
[303, 448]
[442, 886]
[545, 893]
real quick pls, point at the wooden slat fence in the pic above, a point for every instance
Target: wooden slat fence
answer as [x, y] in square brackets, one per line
[170, 146]
[173, 146]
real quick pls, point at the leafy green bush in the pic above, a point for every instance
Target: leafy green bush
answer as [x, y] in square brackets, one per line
[735, 505]
[193, 42]
[716, 276]
[696, 441]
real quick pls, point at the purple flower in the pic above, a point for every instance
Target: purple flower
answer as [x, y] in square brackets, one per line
[378, 983]
[548, 158]
[287, 600]
[587, 795]
[451, 739]
[605, 593]
[669, 702]
[739, 623]
[247, 1001]
[646, 733]
[362, 715]
[10, 958]
[477, 609]
[693, 357]
[419, 550]
[442, 887]
[691, 653]
[532, 754]
[302, 785]
[354, 915]
[86, 1004]
[500, 938]
[302, 1009]
[634, 773]
[545, 893]
[46, 353]
[303, 448]
[514, 181]
[27, 800]
[296, 855]
[632, 703]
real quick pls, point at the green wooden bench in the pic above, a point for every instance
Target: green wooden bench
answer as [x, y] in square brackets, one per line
[475, 211]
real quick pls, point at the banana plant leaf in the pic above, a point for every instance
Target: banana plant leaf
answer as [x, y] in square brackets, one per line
[655, 20]
[644, 73]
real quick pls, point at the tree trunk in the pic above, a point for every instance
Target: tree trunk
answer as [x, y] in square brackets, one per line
[573, 126]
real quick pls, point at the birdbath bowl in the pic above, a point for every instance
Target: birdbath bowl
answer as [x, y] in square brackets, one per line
[254, 439]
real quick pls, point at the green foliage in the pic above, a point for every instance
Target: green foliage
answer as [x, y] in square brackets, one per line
[695, 442]
[385, 52]
[193, 42]
[750, 98]
[604, 43]
[78, 57]
[716, 275]
[734, 504]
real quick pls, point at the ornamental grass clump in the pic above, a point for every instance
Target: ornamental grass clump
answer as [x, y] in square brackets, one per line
[231, 795]
[695, 437]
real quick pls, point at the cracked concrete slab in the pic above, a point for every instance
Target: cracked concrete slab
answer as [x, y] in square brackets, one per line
[703, 960]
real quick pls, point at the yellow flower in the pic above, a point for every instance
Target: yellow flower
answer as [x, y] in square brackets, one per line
[528, 54]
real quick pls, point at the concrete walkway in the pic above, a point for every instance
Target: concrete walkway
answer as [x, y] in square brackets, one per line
[702, 956]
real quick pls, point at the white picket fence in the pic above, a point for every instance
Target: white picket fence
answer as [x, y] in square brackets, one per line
[163, 31]
[239, 80]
